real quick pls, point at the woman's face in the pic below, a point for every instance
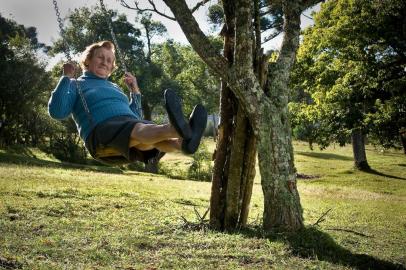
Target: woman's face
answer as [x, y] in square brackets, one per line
[101, 63]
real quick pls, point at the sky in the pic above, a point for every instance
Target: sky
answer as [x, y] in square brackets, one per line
[41, 14]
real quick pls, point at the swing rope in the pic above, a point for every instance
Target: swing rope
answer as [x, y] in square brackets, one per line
[113, 36]
[62, 32]
[66, 52]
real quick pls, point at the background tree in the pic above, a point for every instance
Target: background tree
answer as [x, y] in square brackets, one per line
[352, 62]
[194, 81]
[152, 76]
[24, 87]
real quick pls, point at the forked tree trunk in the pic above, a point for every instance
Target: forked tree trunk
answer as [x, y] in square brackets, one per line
[234, 168]
[266, 110]
[358, 149]
[234, 171]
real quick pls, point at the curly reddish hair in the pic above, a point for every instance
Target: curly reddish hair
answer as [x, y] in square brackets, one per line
[89, 52]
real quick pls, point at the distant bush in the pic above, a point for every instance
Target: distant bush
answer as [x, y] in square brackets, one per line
[171, 171]
[68, 148]
[201, 168]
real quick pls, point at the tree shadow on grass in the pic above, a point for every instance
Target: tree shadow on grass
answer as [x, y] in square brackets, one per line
[311, 243]
[28, 159]
[324, 155]
[375, 172]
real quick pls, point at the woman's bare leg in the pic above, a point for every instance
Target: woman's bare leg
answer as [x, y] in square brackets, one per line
[167, 146]
[149, 136]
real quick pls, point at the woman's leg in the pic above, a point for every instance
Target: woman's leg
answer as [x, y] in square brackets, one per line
[167, 146]
[150, 135]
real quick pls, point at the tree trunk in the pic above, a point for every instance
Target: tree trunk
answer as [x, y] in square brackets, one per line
[220, 169]
[146, 110]
[282, 208]
[215, 127]
[403, 140]
[358, 149]
[234, 168]
[266, 110]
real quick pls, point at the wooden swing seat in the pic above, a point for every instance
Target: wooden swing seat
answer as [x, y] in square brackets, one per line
[103, 152]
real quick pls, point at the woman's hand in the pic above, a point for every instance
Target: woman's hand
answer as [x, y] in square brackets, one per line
[69, 70]
[131, 82]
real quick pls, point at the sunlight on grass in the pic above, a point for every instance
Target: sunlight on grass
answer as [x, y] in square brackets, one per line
[62, 217]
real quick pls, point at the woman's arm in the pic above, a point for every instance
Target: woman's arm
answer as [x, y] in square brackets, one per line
[64, 96]
[135, 94]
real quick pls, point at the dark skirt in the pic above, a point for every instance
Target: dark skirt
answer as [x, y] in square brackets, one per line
[116, 133]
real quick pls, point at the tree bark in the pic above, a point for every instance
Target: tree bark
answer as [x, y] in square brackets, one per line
[233, 172]
[215, 127]
[234, 169]
[358, 149]
[402, 135]
[221, 164]
[282, 208]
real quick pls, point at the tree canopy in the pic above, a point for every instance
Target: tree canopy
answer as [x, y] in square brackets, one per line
[352, 63]
[24, 87]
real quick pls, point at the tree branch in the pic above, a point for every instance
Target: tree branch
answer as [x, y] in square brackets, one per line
[307, 16]
[243, 38]
[141, 10]
[309, 3]
[198, 5]
[322, 218]
[200, 43]
[291, 28]
[271, 36]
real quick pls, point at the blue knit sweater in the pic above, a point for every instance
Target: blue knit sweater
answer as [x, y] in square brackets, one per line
[103, 98]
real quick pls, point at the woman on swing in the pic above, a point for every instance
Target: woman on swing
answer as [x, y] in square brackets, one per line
[115, 122]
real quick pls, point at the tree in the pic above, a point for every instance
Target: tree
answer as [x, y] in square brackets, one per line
[24, 87]
[352, 62]
[152, 76]
[263, 101]
[194, 80]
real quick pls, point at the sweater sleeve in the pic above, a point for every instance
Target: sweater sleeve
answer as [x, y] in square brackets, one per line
[135, 105]
[62, 99]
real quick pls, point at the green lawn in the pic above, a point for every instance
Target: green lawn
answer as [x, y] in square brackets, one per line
[62, 216]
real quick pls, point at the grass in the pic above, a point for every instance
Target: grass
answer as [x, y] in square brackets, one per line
[62, 216]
